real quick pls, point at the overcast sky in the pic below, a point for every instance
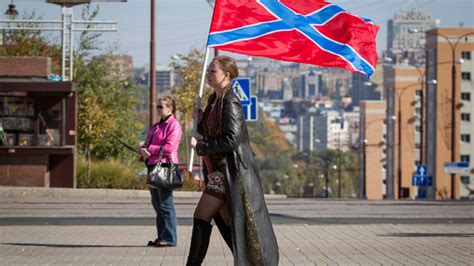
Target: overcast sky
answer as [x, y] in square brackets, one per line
[183, 24]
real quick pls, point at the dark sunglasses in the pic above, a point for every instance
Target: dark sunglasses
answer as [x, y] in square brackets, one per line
[161, 106]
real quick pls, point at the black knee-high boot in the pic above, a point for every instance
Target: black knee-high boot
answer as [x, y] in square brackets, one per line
[199, 242]
[225, 230]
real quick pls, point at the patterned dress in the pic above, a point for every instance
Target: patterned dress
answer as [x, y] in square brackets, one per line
[210, 125]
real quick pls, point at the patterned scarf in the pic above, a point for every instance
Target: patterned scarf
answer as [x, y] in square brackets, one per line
[213, 115]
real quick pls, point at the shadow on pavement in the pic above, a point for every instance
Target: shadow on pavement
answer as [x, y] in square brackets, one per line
[430, 235]
[72, 245]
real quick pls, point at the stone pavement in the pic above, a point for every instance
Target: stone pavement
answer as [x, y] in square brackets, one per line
[64, 226]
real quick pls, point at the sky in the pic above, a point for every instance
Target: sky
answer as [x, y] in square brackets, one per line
[182, 25]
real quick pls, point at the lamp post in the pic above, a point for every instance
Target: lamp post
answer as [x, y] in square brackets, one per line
[153, 114]
[362, 147]
[453, 45]
[11, 11]
[400, 93]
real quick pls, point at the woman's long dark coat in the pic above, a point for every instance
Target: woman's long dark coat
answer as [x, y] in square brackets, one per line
[253, 239]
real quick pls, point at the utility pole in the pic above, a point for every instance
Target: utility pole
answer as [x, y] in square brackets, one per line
[153, 114]
[339, 174]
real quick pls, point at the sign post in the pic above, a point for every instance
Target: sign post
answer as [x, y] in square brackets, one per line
[241, 88]
[422, 180]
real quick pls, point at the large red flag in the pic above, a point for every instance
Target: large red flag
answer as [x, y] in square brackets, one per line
[305, 31]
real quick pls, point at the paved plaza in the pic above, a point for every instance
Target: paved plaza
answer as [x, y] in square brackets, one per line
[65, 226]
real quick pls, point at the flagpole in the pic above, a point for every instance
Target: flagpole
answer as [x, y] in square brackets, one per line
[198, 106]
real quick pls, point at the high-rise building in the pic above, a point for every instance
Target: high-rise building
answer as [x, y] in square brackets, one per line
[122, 64]
[448, 50]
[325, 130]
[363, 89]
[405, 36]
[308, 85]
[166, 78]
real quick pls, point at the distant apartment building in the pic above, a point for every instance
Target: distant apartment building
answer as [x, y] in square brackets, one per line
[404, 84]
[335, 82]
[372, 144]
[123, 65]
[166, 78]
[353, 121]
[364, 89]
[308, 84]
[324, 130]
[405, 36]
[439, 110]
[268, 77]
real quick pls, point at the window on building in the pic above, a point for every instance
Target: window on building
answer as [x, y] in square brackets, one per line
[465, 179]
[417, 146]
[418, 128]
[466, 75]
[417, 162]
[418, 93]
[466, 117]
[466, 55]
[465, 158]
[466, 138]
[418, 110]
[466, 96]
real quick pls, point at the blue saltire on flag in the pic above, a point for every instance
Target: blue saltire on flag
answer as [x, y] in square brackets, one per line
[305, 31]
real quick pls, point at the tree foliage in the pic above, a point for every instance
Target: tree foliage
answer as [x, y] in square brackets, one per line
[106, 100]
[31, 43]
[273, 154]
[189, 69]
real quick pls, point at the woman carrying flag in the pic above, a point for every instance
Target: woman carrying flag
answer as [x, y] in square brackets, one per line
[233, 195]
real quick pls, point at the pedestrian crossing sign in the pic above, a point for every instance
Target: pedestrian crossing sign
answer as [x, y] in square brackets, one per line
[241, 88]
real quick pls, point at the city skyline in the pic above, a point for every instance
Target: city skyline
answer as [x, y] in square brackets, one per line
[189, 30]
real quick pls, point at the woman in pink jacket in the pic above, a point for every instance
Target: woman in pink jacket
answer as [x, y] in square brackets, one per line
[167, 134]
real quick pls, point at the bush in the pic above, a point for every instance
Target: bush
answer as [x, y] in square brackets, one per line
[111, 173]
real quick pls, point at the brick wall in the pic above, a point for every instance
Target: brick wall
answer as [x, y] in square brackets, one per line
[21, 67]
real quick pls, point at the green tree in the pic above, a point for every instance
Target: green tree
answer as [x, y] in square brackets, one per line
[31, 43]
[273, 154]
[189, 69]
[325, 164]
[106, 100]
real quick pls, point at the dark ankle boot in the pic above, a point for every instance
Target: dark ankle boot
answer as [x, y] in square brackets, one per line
[199, 242]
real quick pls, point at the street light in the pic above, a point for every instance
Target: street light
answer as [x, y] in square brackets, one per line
[362, 147]
[11, 11]
[453, 47]
[153, 114]
[400, 93]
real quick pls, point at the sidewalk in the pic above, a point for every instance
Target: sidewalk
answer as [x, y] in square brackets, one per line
[60, 226]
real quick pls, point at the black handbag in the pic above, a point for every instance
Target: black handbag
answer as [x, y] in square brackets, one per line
[164, 175]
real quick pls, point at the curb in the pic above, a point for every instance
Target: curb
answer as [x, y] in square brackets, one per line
[22, 192]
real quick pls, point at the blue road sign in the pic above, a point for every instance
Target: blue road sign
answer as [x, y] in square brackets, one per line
[253, 109]
[246, 110]
[421, 169]
[241, 88]
[456, 167]
[421, 193]
[418, 180]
